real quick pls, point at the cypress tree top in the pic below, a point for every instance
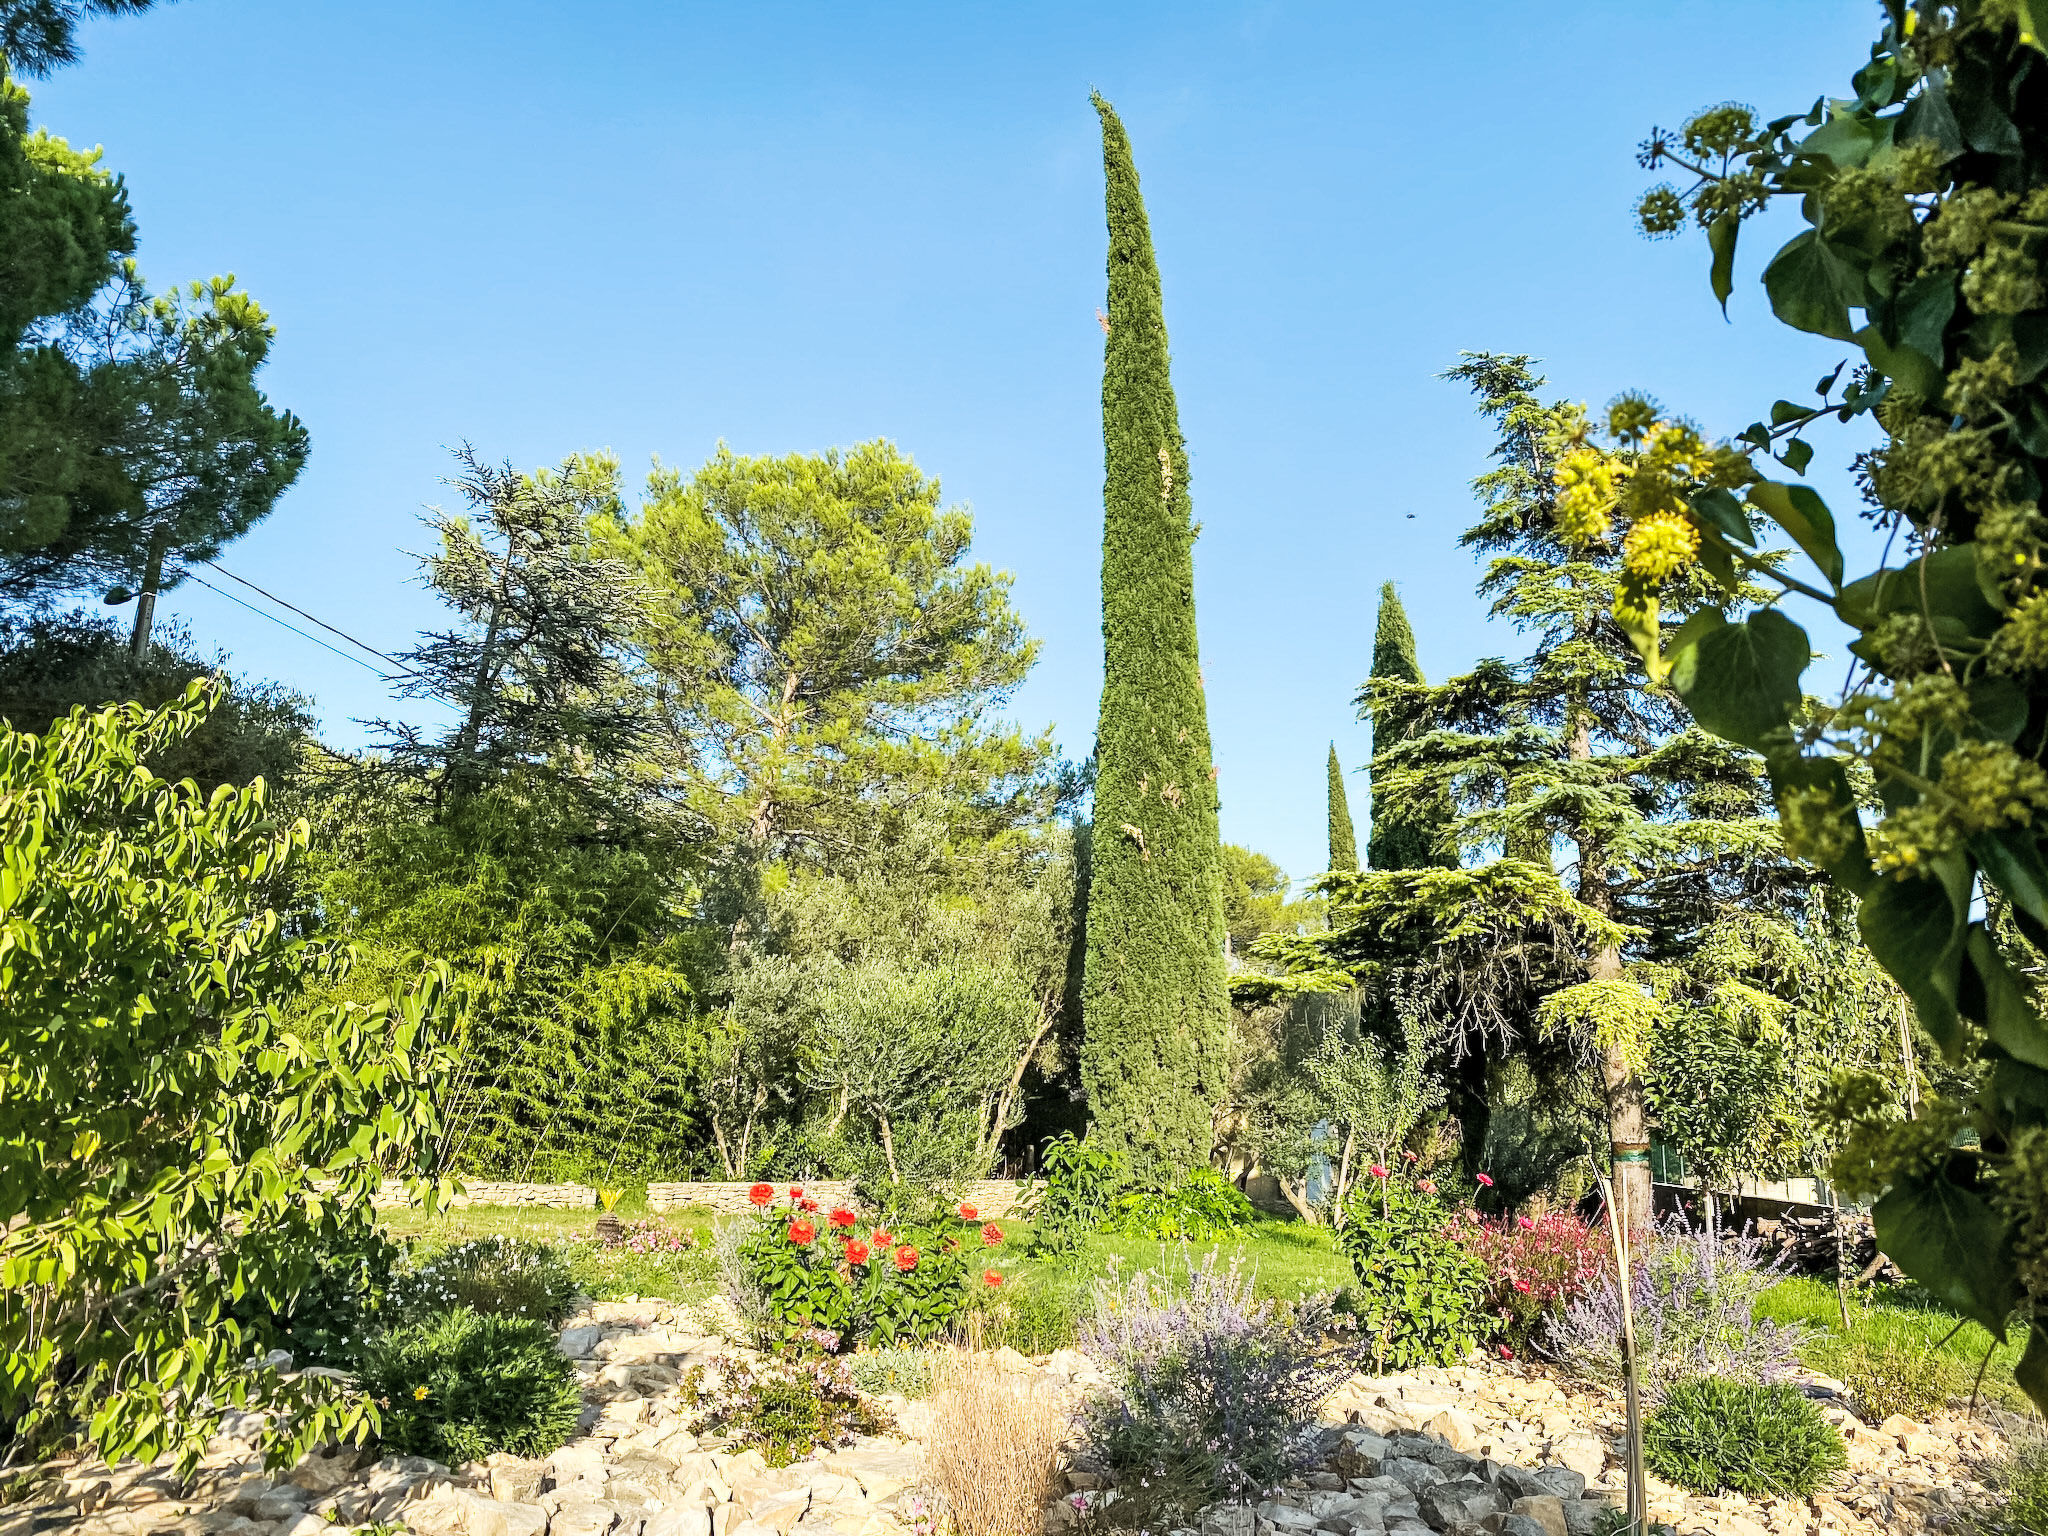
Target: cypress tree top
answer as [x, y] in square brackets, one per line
[1155, 1005]
[1343, 838]
[1401, 834]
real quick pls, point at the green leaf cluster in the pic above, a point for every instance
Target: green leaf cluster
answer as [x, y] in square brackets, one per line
[172, 1095]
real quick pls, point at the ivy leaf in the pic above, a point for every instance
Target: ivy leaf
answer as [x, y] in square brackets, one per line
[1783, 411]
[1797, 455]
[1928, 118]
[2011, 860]
[1721, 236]
[1799, 510]
[1720, 510]
[2003, 1007]
[1915, 931]
[1812, 284]
[1851, 868]
[1951, 1241]
[1741, 681]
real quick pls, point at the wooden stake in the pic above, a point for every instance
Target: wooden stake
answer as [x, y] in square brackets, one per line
[1638, 1511]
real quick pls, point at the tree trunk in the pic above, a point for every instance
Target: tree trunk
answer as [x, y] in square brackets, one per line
[145, 602]
[1298, 1199]
[724, 1150]
[1343, 1177]
[888, 1149]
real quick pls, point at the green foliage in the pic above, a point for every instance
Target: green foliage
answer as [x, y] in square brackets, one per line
[496, 1276]
[171, 1096]
[788, 1410]
[841, 1283]
[1887, 1374]
[1922, 197]
[1082, 1178]
[36, 36]
[1154, 1001]
[330, 1316]
[898, 1372]
[127, 421]
[828, 662]
[1711, 1434]
[1343, 841]
[1201, 1208]
[460, 1385]
[1891, 1324]
[1036, 1313]
[1419, 1295]
[1404, 827]
[53, 662]
[2019, 1486]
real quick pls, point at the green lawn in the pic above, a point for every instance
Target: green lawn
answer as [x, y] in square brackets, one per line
[1040, 1302]
[1898, 1324]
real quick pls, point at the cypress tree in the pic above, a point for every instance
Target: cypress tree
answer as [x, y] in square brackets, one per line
[1154, 1001]
[1343, 839]
[1399, 837]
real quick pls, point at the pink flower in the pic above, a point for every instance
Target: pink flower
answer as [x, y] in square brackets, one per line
[1522, 1286]
[1525, 1224]
[1483, 1179]
[1427, 1186]
[1378, 1172]
[1506, 1353]
[1410, 1157]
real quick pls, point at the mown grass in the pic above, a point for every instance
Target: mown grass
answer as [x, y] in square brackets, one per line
[1896, 1330]
[1043, 1298]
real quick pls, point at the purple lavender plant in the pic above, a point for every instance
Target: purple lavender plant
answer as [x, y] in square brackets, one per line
[1694, 1295]
[1218, 1390]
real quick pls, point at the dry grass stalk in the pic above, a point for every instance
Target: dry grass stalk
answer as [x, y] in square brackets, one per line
[991, 1460]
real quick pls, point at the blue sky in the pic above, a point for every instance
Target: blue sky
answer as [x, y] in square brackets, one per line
[552, 227]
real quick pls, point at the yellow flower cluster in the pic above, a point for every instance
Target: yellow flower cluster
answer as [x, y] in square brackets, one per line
[1648, 482]
[1659, 545]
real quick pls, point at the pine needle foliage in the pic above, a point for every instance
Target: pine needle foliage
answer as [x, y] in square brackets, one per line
[1155, 1007]
[1343, 836]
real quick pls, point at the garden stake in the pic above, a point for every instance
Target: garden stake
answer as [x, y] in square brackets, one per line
[1841, 1259]
[1638, 1513]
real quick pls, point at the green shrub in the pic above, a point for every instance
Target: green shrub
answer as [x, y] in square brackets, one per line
[1081, 1178]
[1204, 1207]
[462, 1384]
[1420, 1295]
[905, 1372]
[1036, 1317]
[786, 1409]
[654, 1258]
[1887, 1374]
[2019, 1485]
[1711, 1433]
[342, 1288]
[506, 1276]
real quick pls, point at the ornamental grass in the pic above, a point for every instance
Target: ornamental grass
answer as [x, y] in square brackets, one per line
[991, 1460]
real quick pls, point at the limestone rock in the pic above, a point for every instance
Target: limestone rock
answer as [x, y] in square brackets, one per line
[1543, 1510]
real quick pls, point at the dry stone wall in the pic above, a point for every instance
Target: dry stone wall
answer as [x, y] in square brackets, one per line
[990, 1197]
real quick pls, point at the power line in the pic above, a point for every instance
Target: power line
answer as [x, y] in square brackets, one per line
[337, 650]
[351, 639]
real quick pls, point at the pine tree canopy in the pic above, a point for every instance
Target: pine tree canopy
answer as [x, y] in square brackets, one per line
[1155, 1009]
[1343, 837]
[1628, 891]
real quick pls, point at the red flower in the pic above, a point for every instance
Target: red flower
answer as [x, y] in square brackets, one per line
[883, 1238]
[841, 1218]
[1483, 1179]
[856, 1252]
[796, 1191]
[801, 1232]
[809, 1205]
[1410, 1157]
[969, 1213]
[991, 1234]
[906, 1258]
[1506, 1353]
[991, 1277]
[1522, 1286]
[761, 1194]
[1378, 1172]
[1525, 1224]
[1427, 1186]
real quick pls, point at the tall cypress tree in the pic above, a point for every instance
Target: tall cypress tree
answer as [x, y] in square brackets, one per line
[1343, 837]
[1400, 836]
[1154, 1000]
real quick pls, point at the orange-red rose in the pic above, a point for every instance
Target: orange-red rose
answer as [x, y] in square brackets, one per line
[969, 1213]
[761, 1194]
[856, 1252]
[801, 1232]
[906, 1258]
[991, 1234]
[991, 1277]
